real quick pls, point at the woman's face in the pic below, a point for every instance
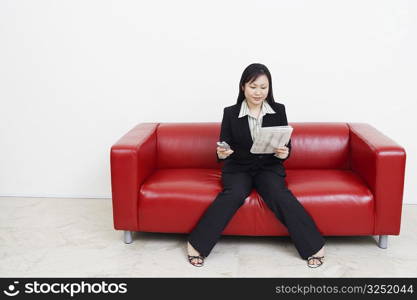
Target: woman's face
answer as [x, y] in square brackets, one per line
[257, 90]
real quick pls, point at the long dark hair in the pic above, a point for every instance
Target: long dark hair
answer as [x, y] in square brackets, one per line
[250, 74]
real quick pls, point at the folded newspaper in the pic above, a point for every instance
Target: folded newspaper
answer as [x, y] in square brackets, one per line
[270, 138]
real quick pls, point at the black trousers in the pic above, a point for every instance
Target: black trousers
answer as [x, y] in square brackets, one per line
[273, 190]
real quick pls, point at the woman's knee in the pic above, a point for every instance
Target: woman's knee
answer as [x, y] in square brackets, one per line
[237, 192]
[273, 192]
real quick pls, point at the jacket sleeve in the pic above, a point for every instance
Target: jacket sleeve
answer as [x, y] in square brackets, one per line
[225, 133]
[285, 122]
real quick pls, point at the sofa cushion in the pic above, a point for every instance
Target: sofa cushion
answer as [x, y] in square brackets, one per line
[187, 145]
[319, 146]
[191, 145]
[338, 200]
[177, 199]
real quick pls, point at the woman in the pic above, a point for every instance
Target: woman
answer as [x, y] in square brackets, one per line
[243, 170]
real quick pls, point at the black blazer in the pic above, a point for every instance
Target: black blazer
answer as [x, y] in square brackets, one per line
[236, 132]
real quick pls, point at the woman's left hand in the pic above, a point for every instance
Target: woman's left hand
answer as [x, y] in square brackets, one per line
[282, 152]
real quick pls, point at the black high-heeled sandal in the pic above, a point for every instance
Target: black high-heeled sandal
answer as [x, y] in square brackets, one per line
[196, 264]
[319, 258]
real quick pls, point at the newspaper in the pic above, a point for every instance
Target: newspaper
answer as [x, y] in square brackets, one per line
[270, 138]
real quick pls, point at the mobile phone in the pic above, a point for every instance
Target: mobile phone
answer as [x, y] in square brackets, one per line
[223, 145]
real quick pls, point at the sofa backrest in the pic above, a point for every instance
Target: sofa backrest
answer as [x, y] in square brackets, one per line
[315, 145]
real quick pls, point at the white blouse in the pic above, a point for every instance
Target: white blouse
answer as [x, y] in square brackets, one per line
[255, 123]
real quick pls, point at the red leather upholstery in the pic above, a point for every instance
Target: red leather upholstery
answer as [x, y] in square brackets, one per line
[349, 177]
[132, 161]
[175, 142]
[319, 146]
[381, 163]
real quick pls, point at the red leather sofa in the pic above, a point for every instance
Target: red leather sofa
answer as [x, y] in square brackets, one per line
[348, 176]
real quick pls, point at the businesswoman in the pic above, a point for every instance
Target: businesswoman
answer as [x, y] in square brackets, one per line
[243, 170]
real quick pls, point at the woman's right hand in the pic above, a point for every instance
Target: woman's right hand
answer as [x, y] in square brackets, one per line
[222, 153]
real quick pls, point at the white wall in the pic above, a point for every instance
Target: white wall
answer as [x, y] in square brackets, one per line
[76, 75]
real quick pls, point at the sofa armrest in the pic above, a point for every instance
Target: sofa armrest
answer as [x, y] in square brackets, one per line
[132, 160]
[380, 162]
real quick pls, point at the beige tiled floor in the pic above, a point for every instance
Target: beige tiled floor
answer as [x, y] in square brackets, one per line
[56, 237]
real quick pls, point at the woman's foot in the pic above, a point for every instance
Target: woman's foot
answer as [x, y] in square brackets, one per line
[194, 256]
[316, 262]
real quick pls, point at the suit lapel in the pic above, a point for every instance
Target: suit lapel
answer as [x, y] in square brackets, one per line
[269, 120]
[244, 123]
[243, 126]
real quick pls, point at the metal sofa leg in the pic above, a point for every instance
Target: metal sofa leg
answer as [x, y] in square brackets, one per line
[383, 241]
[128, 236]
